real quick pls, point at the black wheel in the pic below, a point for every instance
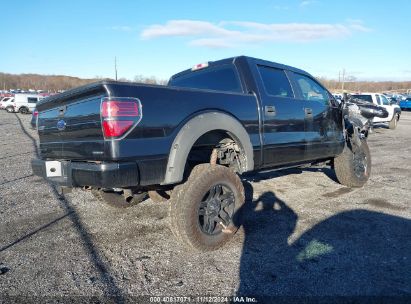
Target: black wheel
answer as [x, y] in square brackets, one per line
[10, 109]
[159, 196]
[118, 200]
[205, 211]
[24, 110]
[353, 166]
[393, 123]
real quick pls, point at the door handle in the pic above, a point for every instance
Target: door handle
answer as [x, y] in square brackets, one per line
[62, 110]
[270, 110]
[308, 111]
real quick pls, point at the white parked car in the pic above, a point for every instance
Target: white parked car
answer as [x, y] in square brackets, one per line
[23, 103]
[394, 111]
[7, 102]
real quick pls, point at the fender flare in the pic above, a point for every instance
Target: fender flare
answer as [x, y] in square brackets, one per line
[193, 130]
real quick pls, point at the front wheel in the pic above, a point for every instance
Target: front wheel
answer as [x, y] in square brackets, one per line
[10, 109]
[353, 166]
[205, 212]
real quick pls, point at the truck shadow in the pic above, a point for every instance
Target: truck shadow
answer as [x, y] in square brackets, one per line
[352, 253]
[112, 290]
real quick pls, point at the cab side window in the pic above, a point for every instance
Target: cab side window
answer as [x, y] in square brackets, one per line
[311, 90]
[275, 82]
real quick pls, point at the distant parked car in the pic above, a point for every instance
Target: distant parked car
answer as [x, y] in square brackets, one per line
[405, 104]
[4, 101]
[25, 103]
[394, 100]
[394, 111]
[33, 121]
[8, 105]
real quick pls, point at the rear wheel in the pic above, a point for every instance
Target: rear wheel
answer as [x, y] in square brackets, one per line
[24, 110]
[393, 123]
[205, 212]
[10, 109]
[353, 166]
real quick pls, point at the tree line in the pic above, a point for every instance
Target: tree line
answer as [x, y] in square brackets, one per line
[54, 83]
[352, 85]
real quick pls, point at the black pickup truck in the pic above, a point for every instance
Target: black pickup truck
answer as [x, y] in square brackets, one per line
[189, 141]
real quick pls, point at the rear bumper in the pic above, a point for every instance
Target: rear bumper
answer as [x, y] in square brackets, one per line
[102, 175]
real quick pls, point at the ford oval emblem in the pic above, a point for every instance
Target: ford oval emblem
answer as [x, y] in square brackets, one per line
[61, 125]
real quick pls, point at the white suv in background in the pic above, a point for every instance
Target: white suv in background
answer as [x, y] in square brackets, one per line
[394, 111]
[23, 103]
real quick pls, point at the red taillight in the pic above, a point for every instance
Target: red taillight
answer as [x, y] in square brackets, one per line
[116, 128]
[35, 113]
[119, 116]
[115, 108]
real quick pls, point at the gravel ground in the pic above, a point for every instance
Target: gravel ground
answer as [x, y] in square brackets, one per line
[303, 234]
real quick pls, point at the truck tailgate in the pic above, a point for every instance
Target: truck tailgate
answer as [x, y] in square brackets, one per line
[69, 125]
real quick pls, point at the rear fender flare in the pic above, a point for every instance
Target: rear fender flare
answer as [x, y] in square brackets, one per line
[193, 130]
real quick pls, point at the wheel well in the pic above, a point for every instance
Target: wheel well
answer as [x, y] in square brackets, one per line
[227, 149]
[199, 136]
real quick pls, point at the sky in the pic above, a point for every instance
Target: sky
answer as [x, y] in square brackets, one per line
[370, 40]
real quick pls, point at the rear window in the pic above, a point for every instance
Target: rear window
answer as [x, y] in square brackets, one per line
[366, 98]
[220, 78]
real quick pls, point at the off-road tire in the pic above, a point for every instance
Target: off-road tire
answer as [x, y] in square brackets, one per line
[393, 123]
[185, 203]
[159, 196]
[115, 200]
[345, 166]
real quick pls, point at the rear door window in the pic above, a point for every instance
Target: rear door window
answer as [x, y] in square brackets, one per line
[275, 82]
[311, 90]
[32, 99]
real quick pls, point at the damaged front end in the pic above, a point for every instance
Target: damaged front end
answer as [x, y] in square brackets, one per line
[358, 117]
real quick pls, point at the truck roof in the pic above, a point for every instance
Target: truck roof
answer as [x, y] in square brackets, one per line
[231, 60]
